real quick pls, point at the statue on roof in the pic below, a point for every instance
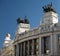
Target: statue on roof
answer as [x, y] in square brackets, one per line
[48, 8]
[19, 20]
[23, 21]
[26, 20]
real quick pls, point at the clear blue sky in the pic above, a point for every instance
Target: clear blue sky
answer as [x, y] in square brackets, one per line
[10, 10]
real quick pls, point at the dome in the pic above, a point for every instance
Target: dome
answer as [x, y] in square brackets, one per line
[7, 35]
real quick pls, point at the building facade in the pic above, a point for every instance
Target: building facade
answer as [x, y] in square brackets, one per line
[43, 40]
[8, 48]
[7, 51]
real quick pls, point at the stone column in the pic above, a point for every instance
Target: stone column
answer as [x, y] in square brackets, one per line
[51, 48]
[24, 49]
[28, 48]
[37, 46]
[21, 50]
[40, 54]
[33, 47]
[17, 50]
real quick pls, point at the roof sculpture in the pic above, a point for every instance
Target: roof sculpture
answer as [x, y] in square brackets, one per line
[23, 21]
[48, 8]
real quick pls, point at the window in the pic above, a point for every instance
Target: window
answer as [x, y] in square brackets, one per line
[58, 35]
[45, 44]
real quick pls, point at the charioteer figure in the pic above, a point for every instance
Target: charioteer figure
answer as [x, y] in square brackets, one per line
[48, 8]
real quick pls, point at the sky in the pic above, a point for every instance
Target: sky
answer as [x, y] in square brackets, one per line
[10, 10]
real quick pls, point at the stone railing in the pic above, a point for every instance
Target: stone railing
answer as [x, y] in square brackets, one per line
[27, 34]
